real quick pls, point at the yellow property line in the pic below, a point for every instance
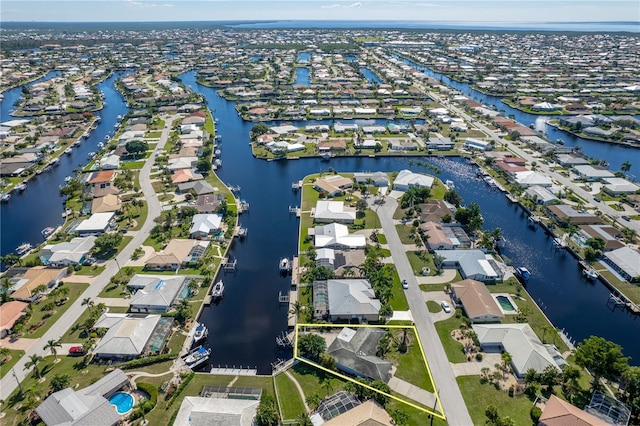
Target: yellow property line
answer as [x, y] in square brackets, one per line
[439, 414]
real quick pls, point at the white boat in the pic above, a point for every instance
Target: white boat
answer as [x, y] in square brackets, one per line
[107, 138]
[242, 232]
[68, 179]
[23, 248]
[85, 135]
[285, 265]
[100, 145]
[218, 290]
[217, 162]
[55, 162]
[201, 333]
[91, 155]
[68, 151]
[5, 197]
[46, 232]
[76, 143]
[590, 274]
[450, 184]
[21, 187]
[197, 356]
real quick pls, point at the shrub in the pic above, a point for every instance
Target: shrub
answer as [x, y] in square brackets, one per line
[177, 393]
[141, 362]
[535, 414]
[478, 357]
[150, 390]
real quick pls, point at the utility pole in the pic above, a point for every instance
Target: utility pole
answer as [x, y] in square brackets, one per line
[13, 372]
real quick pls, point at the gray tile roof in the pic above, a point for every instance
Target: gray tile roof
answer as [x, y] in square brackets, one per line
[127, 335]
[356, 350]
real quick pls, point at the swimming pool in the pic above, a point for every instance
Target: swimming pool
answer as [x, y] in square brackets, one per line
[505, 303]
[123, 402]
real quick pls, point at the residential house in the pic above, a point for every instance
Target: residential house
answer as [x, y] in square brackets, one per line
[607, 233]
[591, 173]
[229, 407]
[472, 144]
[473, 264]
[434, 210]
[182, 163]
[618, 186]
[526, 350]
[367, 413]
[477, 302]
[440, 144]
[558, 412]
[72, 252]
[566, 213]
[179, 252]
[345, 300]
[127, 335]
[407, 179]
[106, 204]
[379, 179]
[530, 178]
[204, 225]
[101, 179]
[336, 236]
[200, 187]
[10, 312]
[156, 293]
[439, 237]
[26, 280]
[97, 224]
[333, 185]
[540, 195]
[626, 261]
[333, 211]
[355, 353]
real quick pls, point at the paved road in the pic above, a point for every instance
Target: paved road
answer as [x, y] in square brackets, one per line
[59, 328]
[445, 381]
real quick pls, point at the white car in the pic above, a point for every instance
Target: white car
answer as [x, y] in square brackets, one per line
[405, 284]
[445, 307]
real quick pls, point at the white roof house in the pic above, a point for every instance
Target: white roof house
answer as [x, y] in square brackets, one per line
[182, 163]
[345, 300]
[110, 162]
[283, 145]
[379, 178]
[531, 178]
[473, 264]
[591, 173]
[203, 225]
[333, 211]
[69, 253]
[619, 186]
[155, 293]
[127, 336]
[407, 178]
[471, 143]
[541, 194]
[200, 411]
[336, 235]
[522, 343]
[626, 261]
[326, 257]
[97, 224]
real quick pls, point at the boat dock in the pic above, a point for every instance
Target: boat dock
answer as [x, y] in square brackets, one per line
[234, 371]
[621, 301]
[243, 206]
[229, 265]
[292, 317]
[295, 210]
[283, 298]
[295, 273]
[207, 300]
[285, 340]
[296, 185]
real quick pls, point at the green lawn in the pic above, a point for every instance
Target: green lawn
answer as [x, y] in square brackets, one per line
[398, 297]
[403, 232]
[452, 348]
[419, 260]
[90, 271]
[290, 400]
[73, 333]
[142, 217]
[632, 291]
[6, 366]
[411, 365]
[311, 379]
[479, 396]
[176, 342]
[434, 307]
[38, 314]
[382, 239]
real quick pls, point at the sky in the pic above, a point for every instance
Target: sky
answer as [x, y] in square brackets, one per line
[472, 11]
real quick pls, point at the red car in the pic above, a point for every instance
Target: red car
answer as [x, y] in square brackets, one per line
[76, 351]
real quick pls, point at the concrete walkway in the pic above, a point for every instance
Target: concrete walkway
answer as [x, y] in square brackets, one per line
[300, 391]
[447, 275]
[18, 344]
[473, 368]
[59, 328]
[412, 391]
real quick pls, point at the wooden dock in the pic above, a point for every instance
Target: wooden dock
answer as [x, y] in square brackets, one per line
[292, 318]
[229, 265]
[207, 300]
[295, 210]
[619, 300]
[295, 271]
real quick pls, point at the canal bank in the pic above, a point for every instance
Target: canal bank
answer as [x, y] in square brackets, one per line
[248, 320]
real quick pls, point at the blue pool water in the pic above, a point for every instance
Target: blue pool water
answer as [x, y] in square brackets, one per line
[505, 303]
[123, 402]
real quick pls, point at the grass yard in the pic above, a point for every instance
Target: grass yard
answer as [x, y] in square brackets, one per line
[5, 367]
[73, 333]
[452, 348]
[38, 314]
[632, 291]
[90, 271]
[289, 398]
[312, 380]
[478, 397]
[419, 260]
[411, 365]
[398, 297]
[433, 307]
[404, 233]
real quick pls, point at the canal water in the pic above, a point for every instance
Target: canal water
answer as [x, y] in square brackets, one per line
[249, 317]
[303, 77]
[40, 205]
[244, 325]
[614, 154]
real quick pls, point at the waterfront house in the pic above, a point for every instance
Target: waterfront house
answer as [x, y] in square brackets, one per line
[336, 236]
[156, 293]
[444, 237]
[530, 178]
[200, 187]
[379, 179]
[473, 264]
[127, 335]
[568, 214]
[367, 413]
[402, 145]
[182, 163]
[345, 300]
[407, 179]
[333, 185]
[434, 210]
[591, 173]
[10, 312]
[88, 406]
[106, 204]
[526, 350]
[109, 162]
[338, 145]
[72, 252]
[558, 412]
[355, 353]
[476, 301]
[101, 179]
[540, 195]
[440, 144]
[97, 224]
[607, 233]
[333, 211]
[179, 252]
[618, 186]
[26, 280]
[220, 406]
[626, 261]
[472, 144]
[203, 225]
[568, 160]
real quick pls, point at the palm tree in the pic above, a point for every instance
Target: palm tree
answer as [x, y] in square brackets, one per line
[626, 166]
[87, 302]
[5, 286]
[52, 345]
[34, 360]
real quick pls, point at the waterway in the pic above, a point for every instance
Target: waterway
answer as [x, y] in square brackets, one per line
[40, 204]
[303, 77]
[248, 319]
[371, 76]
[614, 154]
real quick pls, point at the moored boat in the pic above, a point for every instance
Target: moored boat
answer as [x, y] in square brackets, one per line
[590, 274]
[5, 197]
[23, 248]
[21, 187]
[46, 232]
[68, 151]
[285, 265]
[201, 333]
[218, 290]
[523, 273]
[197, 356]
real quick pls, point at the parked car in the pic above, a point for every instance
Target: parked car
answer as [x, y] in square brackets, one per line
[76, 351]
[405, 284]
[89, 261]
[445, 307]
[625, 217]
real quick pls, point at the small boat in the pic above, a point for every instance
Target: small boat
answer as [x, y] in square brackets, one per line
[76, 143]
[107, 138]
[85, 135]
[217, 152]
[511, 198]
[46, 232]
[217, 162]
[68, 151]
[55, 162]
[218, 290]
[68, 179]
[91, 155]
[533, 221]
[23, 248]
[201, 333]
[285, 265]
[197, 356]
[523, 273]
[5, 197]
[326, 156]
[100, 145]
[590, 274]
[450, 184]
[98, 118]
[242, 232]
[21, 187]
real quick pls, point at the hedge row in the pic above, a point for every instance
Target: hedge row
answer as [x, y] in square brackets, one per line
[141, 362]
[177, 393]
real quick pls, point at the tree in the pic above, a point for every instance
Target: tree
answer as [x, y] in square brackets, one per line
[630, 385]
[378, 396]
[570, 377]
[601, 357]
[267, 414]
[626, 166]
[204, 165]
[34, 360]
[303, 419]
[136, 147]
[107, 243]
[311, 345]
[452, 197]
[400, 418]
[59, 382]
[550, 377]
[52, 345]
[259, 129]
[5, 286]
[361, 206]
[87, 302]
[313, 400]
